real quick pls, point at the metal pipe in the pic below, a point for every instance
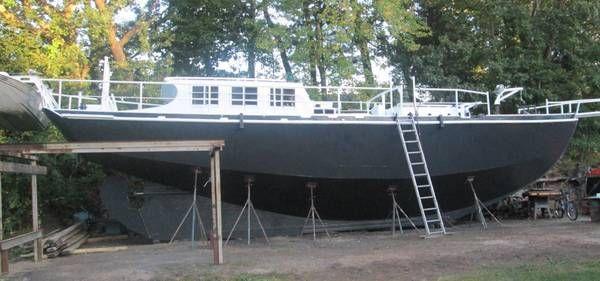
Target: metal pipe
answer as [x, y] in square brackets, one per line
[401, 100]
[487, 97]
[59, 94]
[141, 95]
[456, 99]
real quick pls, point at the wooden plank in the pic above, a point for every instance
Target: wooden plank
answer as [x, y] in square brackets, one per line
[19, 155]
[9, 167]
[4, 260]
[98, 250]
[215, 184]
[107, 238]
[37, 245]
[112, 147]
[1, 215]
[19, 240]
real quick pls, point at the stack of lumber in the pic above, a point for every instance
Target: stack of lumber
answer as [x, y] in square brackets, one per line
[65, 241]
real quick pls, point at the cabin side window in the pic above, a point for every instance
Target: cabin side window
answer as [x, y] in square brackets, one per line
[205, 95]
[283, 97]
[244, 96]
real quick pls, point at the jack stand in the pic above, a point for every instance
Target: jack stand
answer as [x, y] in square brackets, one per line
[396, 210]
[195, 213]
[250, 208]
[479, 206]
[312, 213]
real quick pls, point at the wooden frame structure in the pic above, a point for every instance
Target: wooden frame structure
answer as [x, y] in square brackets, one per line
[214, 147]
[32, 169]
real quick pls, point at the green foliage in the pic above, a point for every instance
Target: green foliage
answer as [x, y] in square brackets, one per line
[69, 187]
[550, 48]
[40, 37]
[549, 271]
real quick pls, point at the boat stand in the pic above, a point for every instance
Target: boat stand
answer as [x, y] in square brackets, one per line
[396, 210]
[479, 206]
[249, 207]
[312, 213]
[195, 213]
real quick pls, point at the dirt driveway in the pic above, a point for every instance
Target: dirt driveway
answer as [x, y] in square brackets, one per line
[346, 256]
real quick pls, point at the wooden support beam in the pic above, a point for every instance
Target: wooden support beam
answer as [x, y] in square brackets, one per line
[215, 184]
[112, 147]
[10, 243]
[19, 240]
[19, 155]
[1, 215]
[9, 167]
[37, 243]
[4, 260]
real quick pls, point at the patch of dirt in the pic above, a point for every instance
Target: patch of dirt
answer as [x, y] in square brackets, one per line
[346, 256]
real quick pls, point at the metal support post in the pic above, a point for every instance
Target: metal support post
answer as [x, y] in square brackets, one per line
[479, 206]
[193, 209]
[248, 207]
[312, 213]
[396, 210]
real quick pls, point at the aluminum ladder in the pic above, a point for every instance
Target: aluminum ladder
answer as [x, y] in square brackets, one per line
[419, 173]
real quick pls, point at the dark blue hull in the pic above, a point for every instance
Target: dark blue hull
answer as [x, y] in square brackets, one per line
[352, 160]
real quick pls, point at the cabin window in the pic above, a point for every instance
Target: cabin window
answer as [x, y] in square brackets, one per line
[244, 96]
[283, 97]
[205, 95]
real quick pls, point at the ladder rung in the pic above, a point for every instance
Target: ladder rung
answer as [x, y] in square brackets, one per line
[434, 220]
[408, 131]
[426, 197]
[423, 185]
[418, 163]
[411, 141]
[429, 209]
[413, 152]
[420, 175]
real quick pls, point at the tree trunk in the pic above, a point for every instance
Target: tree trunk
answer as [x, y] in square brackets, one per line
[116, 47]
[289, 76]
[319, 53]
[312, 57]
[361, 41]
[252, 40]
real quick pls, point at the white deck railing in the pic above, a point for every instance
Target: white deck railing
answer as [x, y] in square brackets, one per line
[130, 95]
[579, 108]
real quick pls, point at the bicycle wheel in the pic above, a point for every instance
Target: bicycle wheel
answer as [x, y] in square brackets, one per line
[571, 211]
[559, 212]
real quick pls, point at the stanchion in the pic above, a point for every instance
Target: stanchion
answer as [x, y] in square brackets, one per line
[249, 207]
[313, 215]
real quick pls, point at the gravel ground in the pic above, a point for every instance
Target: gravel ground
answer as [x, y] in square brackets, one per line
[346, 256]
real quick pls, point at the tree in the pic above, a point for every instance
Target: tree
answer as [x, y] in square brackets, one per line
[43, 37]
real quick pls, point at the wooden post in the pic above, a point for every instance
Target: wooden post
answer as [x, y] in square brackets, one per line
[215, 184]
[3, 254]
[1, 218]
[34, 213]
[4, 257]
[218, 190]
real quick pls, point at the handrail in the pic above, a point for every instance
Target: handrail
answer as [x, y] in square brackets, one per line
[456, 95]
[551, 105]
[387, 101]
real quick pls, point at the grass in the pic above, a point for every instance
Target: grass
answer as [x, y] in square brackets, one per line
[549, 271]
